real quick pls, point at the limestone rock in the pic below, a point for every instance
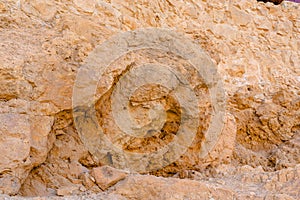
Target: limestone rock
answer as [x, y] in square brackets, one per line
[151, 187]
[240, 17]
[222, 152]
[107, 176]
[87, 180]
[15, 148]
[66, 191]
[255, 46]
[87, 6]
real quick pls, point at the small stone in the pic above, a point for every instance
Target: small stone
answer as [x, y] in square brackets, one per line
[87, 180]
[107, 176]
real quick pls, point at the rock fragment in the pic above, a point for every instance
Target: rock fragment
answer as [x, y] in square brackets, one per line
[107, 176]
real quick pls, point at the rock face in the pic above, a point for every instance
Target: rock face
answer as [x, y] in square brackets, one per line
[255, 47]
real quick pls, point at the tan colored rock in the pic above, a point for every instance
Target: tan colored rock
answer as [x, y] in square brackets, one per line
[65, 163]
[107, 176]
[41, 141]
[240, 17]
[2, 7]
[47, 10]
[44, 10]
[151, 187]
[15, 148]
[222, 152]
[263, 24]
[66, 191]
[225, 31]
[254, 45]
[87, 6]
[15, 137]
[87, 180]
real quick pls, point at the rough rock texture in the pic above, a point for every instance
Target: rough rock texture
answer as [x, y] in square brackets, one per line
[255, 46]
[106, 176]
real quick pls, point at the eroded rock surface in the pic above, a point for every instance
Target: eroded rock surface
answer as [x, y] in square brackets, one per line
[255, 47]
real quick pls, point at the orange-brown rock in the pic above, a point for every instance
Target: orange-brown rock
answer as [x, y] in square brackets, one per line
[254, 46]
[106, 176]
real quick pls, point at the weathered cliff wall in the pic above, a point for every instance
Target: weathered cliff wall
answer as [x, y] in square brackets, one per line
[255, 47]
